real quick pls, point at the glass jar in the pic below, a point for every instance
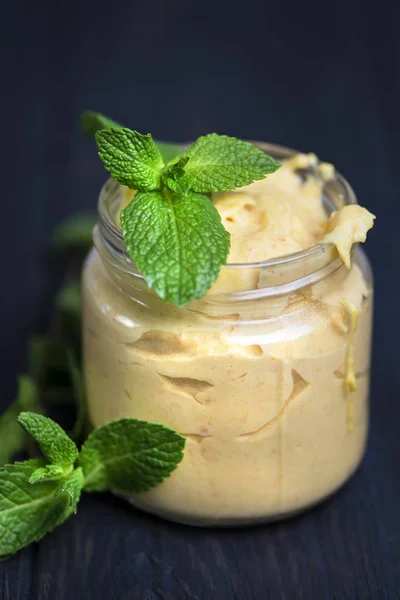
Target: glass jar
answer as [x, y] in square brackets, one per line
[267, 380]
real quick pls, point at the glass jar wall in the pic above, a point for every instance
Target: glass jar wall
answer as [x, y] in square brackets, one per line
[267, 376]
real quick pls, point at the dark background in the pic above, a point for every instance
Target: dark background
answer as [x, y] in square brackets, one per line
[317, 76]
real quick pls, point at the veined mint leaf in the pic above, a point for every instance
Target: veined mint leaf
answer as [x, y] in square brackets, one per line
[72, 485]
[173, 174]
[92, 122]
[46, 473]
[131, 158]
[74, 232]
[12, 437]
[177, 241]
[219, 163]
[129, 455]
[28, 512]
[56, 446]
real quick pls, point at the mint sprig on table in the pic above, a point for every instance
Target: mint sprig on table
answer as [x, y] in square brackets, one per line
[171, 228]
[128, 455]
[38, 495]
[175, 236]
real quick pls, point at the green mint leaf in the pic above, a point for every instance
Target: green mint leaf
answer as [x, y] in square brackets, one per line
[46, 473]
[220, 163]
[28, 512]
[130, 455]
[177, 241]
[131, 158]
[92, 122]
[74, 232]
[173, 174]
[168, 150]
[73, 487]
[56, 446]
[12, 437]
[69, 300]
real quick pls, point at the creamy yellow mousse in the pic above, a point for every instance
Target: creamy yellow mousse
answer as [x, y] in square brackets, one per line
[270, 394]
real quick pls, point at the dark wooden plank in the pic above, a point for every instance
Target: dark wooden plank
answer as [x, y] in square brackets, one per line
[281, 72]
[16, 576]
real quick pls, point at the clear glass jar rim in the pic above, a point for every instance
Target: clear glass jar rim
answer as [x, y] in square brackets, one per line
[282, 152]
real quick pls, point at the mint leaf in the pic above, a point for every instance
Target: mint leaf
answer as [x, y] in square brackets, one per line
[131, 158]
[219, 163]
[168, 150]
[56, 446]
[173, 174]
[177, 241]
[73, 487]
[12, 437]
[92, 122]
[69, 300]
[74, 232]
[46, 473]
[28, 512]
[130, 455]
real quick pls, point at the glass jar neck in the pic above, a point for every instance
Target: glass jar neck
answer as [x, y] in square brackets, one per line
[238, 283]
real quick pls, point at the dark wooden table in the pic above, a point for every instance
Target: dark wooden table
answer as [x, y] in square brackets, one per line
[289, 73]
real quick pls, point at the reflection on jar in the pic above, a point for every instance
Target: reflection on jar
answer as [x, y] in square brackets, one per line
[268, 381]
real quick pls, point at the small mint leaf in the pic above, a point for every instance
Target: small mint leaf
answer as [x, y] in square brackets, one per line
[131, 158]
[168, 150]
[28, 512]
[56, 446]
[72, 486]
[69, 301]
[49, 472]
[12, 437]
[177, 241]
[220, 163]
[173, 174]
[130, 455]
[73, 232]
[92, 122]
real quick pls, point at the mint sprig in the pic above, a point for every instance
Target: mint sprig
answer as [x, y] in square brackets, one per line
[38, 495]
[54, 443]
[28, 511]
[171, 228]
